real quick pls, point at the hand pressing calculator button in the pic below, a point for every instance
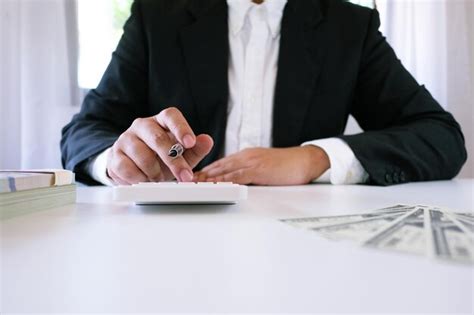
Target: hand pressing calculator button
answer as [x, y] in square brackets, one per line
[181, 193]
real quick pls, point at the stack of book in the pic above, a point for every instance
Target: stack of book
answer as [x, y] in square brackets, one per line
[23, 192]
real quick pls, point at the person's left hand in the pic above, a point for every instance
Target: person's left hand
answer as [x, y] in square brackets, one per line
[259, 166]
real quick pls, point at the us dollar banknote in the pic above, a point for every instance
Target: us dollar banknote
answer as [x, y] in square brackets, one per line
[449, 240]
[358, 230]
[422, 230]
[465, 220]
[406, 234]
[316, 222]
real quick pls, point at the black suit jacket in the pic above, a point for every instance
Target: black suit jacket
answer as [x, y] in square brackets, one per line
[333, 62]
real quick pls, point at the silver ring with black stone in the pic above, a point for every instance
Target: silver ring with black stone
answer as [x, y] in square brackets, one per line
[176, 150]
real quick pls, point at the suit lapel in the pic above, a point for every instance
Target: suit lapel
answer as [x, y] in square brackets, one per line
[300, 61]
[206, 53]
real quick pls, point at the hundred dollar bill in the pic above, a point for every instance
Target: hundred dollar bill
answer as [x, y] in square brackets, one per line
[450, 241]
[465, 220]
[315, 222]
[406, 234]
[464, 217]
[465, 225]
[356, 230]
[400, 207]
[469, 225]
[467, 215]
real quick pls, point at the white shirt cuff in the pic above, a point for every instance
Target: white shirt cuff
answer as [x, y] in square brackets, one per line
[345, 167]
[97, 168]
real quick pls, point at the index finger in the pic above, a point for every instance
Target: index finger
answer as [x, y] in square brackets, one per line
[160, 141]
[172, 119]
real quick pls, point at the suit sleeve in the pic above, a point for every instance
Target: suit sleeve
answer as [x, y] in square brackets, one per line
[408, 136]
[109, 110]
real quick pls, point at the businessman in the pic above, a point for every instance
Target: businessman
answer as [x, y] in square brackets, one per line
[259, 92]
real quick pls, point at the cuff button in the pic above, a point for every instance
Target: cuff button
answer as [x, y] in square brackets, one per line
[396, 178]
[403, 177]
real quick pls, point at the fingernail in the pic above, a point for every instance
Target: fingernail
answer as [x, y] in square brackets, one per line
[186, 176]
[188, 141]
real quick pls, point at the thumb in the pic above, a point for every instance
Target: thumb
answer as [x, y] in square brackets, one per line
[204, 144]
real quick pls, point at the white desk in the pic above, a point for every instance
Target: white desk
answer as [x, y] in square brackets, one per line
[100, 256]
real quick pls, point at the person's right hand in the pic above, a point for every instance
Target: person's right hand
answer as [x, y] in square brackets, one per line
[141, 153]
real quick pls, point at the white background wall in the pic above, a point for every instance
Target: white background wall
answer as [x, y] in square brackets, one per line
[465, 114]
[36, 94]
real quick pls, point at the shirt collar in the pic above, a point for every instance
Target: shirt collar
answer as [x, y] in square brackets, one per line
[238, 10]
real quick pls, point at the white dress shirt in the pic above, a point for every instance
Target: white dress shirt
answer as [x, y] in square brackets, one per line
[254, 40]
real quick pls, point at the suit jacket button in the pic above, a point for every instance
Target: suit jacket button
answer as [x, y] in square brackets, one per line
[388, 178]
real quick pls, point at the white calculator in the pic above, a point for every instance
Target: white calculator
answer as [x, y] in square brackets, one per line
[181, 193]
